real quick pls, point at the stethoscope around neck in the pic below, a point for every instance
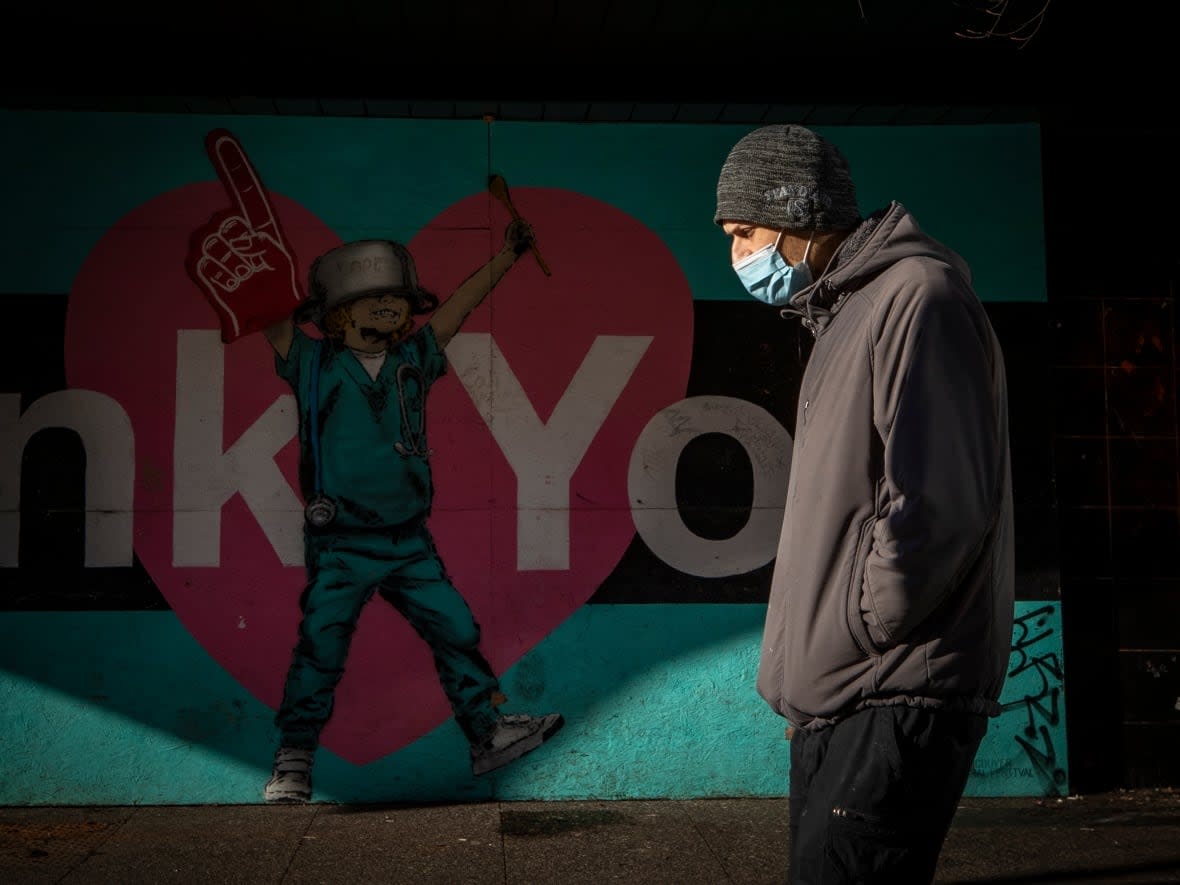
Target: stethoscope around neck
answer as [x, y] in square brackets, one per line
[321, 509]
[415, 437]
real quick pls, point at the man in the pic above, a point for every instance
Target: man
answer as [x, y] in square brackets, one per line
[890, 616]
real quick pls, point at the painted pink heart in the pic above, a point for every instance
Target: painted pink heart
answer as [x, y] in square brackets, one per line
[611, 276]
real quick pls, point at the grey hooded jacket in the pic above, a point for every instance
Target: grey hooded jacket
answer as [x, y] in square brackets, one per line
[894, 578]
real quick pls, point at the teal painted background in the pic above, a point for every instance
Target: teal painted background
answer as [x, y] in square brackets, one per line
[68, 177]
[126, 708]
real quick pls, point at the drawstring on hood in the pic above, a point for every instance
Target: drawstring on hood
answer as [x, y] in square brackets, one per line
[819, 302]
[880, 241]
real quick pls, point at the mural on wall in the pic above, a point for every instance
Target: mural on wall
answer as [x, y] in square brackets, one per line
[534, 426]
[604, 457]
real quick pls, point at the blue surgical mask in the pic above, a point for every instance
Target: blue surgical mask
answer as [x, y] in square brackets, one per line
[767, 276]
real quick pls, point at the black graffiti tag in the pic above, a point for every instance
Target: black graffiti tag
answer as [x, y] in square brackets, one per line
[1042, 706]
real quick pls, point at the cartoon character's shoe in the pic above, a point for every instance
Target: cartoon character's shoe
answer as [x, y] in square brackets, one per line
[514, 735]
[290, 778]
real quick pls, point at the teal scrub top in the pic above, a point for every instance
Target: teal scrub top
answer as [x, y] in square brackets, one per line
[363, 423]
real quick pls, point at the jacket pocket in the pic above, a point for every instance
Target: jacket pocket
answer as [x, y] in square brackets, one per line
[856, 624]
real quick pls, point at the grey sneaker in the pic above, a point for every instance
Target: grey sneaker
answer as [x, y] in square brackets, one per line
[514, 735]
[290, 779]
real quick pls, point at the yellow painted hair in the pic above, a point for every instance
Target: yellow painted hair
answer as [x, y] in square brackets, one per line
[339, 318]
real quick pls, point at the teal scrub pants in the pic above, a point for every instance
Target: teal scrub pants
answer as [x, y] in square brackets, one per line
[344, 570]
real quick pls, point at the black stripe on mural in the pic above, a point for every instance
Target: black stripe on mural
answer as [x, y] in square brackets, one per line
[738, 351]
[745, 351]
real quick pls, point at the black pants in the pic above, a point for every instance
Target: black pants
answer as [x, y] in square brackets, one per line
[872, 797]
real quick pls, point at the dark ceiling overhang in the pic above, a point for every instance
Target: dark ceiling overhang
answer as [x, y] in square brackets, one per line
[872, 62]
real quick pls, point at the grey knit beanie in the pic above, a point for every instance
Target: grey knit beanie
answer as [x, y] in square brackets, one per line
[787, 178]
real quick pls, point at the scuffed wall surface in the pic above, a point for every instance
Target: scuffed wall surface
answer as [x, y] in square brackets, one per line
[125, 708]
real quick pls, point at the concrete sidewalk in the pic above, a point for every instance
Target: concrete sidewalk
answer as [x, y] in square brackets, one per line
[1131, 836]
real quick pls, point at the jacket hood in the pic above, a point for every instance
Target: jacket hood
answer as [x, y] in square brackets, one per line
[880, 241]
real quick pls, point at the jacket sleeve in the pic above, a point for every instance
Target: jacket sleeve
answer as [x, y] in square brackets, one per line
[935, 409]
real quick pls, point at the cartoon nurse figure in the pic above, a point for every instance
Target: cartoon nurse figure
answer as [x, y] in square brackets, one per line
[365, 470]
